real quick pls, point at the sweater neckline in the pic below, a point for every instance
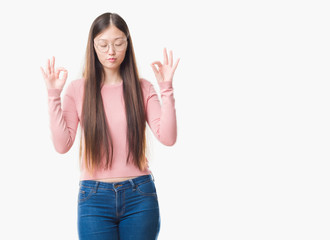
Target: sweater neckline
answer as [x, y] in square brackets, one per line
[113, 85]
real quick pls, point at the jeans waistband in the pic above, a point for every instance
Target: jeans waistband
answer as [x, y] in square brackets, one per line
[116, 185]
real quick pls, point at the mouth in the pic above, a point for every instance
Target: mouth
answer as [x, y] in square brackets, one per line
[111, 59]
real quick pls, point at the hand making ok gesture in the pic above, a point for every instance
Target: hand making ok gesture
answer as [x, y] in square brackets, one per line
[165, 71]
[52, 76]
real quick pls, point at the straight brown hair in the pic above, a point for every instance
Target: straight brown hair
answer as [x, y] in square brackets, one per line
[97, 136]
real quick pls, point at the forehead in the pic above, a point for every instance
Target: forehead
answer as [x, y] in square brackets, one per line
[110, 33]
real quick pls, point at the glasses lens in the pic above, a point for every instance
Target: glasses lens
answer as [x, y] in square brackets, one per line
[119, 45]
[102, 46]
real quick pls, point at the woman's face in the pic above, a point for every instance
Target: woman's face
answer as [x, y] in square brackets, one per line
[110, 46]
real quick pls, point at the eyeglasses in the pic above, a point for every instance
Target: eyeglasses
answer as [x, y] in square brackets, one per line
[119, 45]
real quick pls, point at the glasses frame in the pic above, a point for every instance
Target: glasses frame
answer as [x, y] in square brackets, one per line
[113, 46]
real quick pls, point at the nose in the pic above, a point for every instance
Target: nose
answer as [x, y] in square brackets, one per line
[111, 49]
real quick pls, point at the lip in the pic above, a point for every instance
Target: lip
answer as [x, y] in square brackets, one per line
[111, 59]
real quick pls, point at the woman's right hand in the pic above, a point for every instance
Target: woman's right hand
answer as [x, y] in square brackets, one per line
[52, 77]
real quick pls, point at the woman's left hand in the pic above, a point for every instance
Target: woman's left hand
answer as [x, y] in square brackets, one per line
[165, 71]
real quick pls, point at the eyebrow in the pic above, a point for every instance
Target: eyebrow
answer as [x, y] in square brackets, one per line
[112, 39]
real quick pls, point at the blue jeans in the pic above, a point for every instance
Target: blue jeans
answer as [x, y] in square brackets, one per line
[123, 210]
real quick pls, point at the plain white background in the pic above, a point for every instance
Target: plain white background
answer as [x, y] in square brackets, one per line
[252, 98]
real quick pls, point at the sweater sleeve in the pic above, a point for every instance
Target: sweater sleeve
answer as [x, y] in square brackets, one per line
[162, 118]
[63, 119]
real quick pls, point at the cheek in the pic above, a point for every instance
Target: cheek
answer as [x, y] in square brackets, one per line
[121, 57]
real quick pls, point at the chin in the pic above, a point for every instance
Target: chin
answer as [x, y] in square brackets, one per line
[111, 66]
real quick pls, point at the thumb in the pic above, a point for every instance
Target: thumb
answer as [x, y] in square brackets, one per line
[65, 75]
[154, 69]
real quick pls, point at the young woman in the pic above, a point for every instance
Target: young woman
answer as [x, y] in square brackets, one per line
[117, 196]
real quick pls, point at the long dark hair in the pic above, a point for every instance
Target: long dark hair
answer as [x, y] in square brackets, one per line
[97, 137]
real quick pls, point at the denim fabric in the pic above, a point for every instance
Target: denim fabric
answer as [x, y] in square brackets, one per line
[123, 210]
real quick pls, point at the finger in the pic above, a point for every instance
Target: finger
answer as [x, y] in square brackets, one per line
[158, 63]
[176, 64]
[43, 72]
[57, 73]
[165, 57]
[171, 58]
[53, 64]
[48, 66]
[154, 69]
[65, 75]
[62, 69]
[59, 70]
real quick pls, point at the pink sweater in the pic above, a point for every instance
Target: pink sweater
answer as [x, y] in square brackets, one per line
[64, 122]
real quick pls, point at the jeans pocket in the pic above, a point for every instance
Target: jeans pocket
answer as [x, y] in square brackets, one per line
[147, 188]
[85, 193]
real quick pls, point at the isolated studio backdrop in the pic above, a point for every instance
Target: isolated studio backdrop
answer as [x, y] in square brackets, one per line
[251, 90]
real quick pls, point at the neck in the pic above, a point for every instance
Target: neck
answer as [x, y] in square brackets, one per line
[112, 76]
